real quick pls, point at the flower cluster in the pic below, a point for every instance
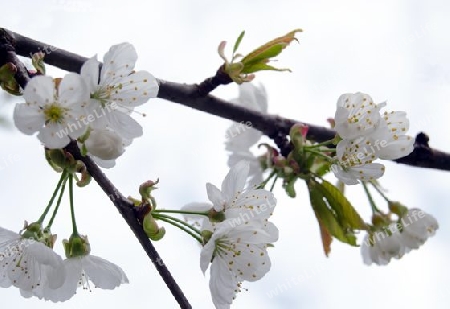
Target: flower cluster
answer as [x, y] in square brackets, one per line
[237, 234]
[93, 106]
[367, 135]
[241, 137]
[32, 266]
[398, 238]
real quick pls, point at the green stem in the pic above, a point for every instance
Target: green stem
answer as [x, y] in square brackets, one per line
[264, 183]
[58, 203]
[72, 211]
[179, 221]
[320, 154]
[182, 227]
[380, 192]
[273, 183]
[369, 196]
[328, 142]
[181, 212]
[50, 203]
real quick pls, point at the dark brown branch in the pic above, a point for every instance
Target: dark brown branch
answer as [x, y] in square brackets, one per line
[188, 95]
[211, 83]
[128, 212]
[8, 55]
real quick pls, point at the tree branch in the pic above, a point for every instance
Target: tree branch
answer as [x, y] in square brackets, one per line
[128, 212]
[190, 95]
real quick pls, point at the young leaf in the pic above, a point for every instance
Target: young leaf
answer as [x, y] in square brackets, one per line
[263, 55]
[346, 213]
[281, 42]
[260, 67]
[326, 216]
[238, 42]
[326, 238]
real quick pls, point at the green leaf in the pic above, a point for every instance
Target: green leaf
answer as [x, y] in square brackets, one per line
[345, 212]
[326, 216]
[260, 67]
[238, 42]
[280, 43]
[260, 55]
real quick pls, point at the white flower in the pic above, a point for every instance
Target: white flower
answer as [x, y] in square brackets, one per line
[252, 97]
[105, 144]
[240, 137]
[417, 227]
[28, 265]
[237, 253]
[119, 90]
[80, 270]
[56, 113]
[355, 161]
[237, 202]
[389, 140]
[352, 175]
[255, 173]
[411, 232]
[356, 115]
[382, 246]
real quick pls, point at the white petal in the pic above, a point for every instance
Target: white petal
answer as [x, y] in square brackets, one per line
[235, 180]
[7, 235]
[252, 97]
[73, 91]
[118, 63]
[136, 89]
[223, 284]
[343, 175]
[206, 254]
[90, 72]
[73, 272]
[216, 197]
[398, 148]
[39, 91]
[103, 273]
[240, 137]
[124, 125]
[366, 172]
[54, 136]
[104, 144]
[419, 224]
[254, 204]
[28, 118]
[104, 163]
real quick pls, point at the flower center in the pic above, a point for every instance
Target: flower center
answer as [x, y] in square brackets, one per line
[54, 113]
[223, 247]
[103, 94]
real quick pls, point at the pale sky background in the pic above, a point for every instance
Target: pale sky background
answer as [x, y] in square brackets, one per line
[393, 50]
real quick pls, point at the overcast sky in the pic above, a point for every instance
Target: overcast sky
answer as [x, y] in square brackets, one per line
[396, 51]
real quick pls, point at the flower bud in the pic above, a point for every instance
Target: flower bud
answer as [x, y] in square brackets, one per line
[105, 144]
[85, 176]
[290, 190]
[147, 187]
[151, 228]
[397, 208]
[298, 135]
